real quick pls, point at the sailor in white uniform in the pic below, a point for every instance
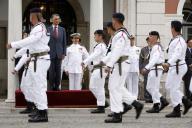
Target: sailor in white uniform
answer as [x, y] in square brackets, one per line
[36, 76]
[97, 80]
[177, 69]
[117, 69]
[155, 70]
[111, 31]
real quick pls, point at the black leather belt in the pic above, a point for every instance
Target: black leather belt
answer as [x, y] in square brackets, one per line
[35, 56]
[156, 69]
[99, 66]
[177, 66]
[121, 59]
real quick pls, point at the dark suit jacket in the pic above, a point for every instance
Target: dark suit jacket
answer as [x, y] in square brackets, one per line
[188, 59]
[57, 45]
[144, 57]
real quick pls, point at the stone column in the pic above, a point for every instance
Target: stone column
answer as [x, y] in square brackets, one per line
[132, 16]
[96, 19]
[14, 33]
[128, 8]
[122, 6]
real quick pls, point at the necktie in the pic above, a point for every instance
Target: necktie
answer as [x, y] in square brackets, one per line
[149, 52]
[55, 32]
[190, 49]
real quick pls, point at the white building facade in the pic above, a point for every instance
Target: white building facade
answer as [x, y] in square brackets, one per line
[141, 17]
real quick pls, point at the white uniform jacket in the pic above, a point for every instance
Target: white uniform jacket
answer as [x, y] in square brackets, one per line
[177, 50]
[120, 47]
[36, 42]
[74, 58]
[99, 52]
[156, 57]
[133, 59]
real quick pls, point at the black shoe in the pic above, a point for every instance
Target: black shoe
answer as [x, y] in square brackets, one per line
[164, 103]
[40, 117]
[117, 118]
[176, 113]
[187, 105]
[111, 114]
[100, 109]
[29, 109]
[138, 107]
[33, 113]
[154, 109]
[126, 108]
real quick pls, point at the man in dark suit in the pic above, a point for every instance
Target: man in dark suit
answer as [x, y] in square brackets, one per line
[188, 75]
[143, 61]
[57, 45]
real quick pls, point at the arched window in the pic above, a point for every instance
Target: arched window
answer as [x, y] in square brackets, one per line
[187, 19]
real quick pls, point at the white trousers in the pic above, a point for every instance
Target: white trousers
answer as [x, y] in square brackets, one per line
[75, 80]
[173, 84]
[38, 82]
[132, 82]
[153, 85]
[27, 87]
[118, 91]
[96, 86]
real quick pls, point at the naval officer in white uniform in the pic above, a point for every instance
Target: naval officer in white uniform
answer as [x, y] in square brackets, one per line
[75, 55]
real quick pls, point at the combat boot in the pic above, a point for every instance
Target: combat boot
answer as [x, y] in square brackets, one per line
[154, 109]
[29, 108]
[138, 107]
[116, 118]
[164, 103]
[100, 109]
[126, 108]
[42, 116]
[176, 113]
[187, 104]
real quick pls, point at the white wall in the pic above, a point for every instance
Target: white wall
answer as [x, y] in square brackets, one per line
[108, 9]
[150, 17]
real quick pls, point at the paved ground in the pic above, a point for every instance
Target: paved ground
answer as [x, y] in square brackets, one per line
[81, 118]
